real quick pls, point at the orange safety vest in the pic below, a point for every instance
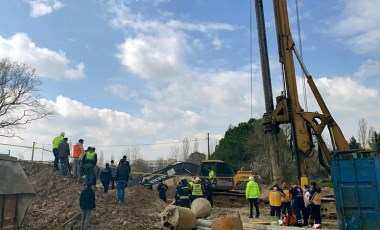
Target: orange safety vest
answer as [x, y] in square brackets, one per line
[77, 151]
[275, 198]
[316, 199]
[286, 199]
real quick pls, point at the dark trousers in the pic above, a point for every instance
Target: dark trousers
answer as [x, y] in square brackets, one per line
[56, 159]
[298, 216]
[254, 202]
[112, 182]
[184, 203]
[209, 198]
[286, 208]
[162, 197]
[316, 213]
[306, 215]
[105, 186]
[90, 174]
[275, 211]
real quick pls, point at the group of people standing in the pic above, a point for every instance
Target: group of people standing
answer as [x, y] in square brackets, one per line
[306, 202]
[187, 192]
[83, 164]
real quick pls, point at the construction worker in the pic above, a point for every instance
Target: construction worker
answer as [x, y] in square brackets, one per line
[197, 190]
[162, 188]
[147, 185]
[63, 154]
[89, 161]
[208, 191]
[113, 171]
[77, 152]
[275, 194]
[306, 210]
[315, 204]
[252, 193]
[285, 200]
[183, 194]
[105, 177]
[56, 141]
[87, 204]
[81, 165]
[298, 202]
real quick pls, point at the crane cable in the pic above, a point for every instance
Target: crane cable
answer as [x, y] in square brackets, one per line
[250, 50]
[300, 45]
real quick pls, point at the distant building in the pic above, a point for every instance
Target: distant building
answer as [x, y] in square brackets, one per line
[154, 165]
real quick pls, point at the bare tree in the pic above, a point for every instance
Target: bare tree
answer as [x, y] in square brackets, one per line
[19, 102]
[362, 132]
[185, 149]
[196, 145]
[174, 152]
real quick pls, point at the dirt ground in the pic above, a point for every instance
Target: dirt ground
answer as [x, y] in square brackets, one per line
[56, 205]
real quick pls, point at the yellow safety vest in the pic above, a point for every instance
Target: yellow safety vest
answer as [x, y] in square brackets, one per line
[212, 174]
[286, 199]
[90, 155]
[274, 198]
[316, 199]
[197, 190]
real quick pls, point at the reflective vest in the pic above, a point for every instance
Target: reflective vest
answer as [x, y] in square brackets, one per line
[316, 199]
[90, 156]
[286, 199]
[212, 174]
[184, 194]
[275, 198]
[197, 190]
[57, 140]
[252, 190]
[77, 150]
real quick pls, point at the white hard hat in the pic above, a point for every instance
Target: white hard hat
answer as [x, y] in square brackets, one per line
[250, 178]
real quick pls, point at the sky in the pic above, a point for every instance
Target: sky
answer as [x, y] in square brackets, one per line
[146, 74]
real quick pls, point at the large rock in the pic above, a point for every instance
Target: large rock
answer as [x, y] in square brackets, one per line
[201, 207]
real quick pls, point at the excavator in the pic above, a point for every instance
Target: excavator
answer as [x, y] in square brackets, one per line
[355, 173]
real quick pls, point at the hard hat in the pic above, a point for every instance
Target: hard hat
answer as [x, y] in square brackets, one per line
[197, 179]
[250, 178]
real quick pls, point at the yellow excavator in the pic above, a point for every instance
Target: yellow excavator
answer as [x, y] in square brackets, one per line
[226, 180]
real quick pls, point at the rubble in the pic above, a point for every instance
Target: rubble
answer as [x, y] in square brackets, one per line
[56, 205]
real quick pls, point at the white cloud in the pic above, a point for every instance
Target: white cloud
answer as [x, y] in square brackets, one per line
[48, 63]
[371, 68]
[121, 91]
[358, 25]
[217, 43]
[43, 7]
[154, 57]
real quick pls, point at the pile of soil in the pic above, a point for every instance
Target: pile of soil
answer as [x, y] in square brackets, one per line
[56, 205]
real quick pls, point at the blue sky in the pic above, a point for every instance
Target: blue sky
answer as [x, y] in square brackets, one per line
[150, 73]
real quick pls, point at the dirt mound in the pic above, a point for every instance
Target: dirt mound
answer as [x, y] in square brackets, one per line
[57, 201]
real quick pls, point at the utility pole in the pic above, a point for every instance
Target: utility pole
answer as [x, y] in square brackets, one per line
[208, 146]
[271, 130]
[34, 143]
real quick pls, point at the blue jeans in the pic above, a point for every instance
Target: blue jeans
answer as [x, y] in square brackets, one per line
[64, 163]
[90, 174]
[121, 185]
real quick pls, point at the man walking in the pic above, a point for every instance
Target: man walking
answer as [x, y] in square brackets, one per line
[105, 177]
[87, 204]
[56, 141]
[122, 177]
[162, 188]
[63, 154]
[113, 172]
[252, 193]
[77, 152]
[89, 161]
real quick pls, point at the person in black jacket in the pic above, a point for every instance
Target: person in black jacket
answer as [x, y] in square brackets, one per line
[121, 178]
[87, 204]
[298, 202]
[105, 177]
[208, 191]
[162, 188]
